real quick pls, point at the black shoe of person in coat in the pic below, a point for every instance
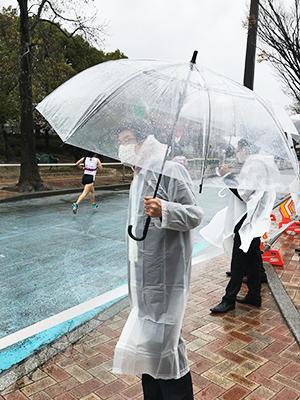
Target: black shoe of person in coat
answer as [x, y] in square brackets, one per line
[223, 307]
[251, 301]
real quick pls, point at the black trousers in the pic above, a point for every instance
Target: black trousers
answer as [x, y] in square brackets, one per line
[168, 389]
[249, 264]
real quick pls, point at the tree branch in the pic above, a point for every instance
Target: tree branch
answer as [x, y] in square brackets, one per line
[68, 35]
[38, 15]
[83, 25]
[279, 32]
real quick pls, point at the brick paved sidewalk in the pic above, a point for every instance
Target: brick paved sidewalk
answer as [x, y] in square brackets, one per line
[246, 354]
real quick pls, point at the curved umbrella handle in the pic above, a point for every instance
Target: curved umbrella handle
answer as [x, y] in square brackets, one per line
[145, 231]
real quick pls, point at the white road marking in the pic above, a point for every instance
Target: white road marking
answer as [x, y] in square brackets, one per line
[63, 316]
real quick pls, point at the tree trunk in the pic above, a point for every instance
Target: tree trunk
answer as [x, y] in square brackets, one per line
[47, 140]
[251, 45]
[3, 133]
[29, 179]
[5, 137]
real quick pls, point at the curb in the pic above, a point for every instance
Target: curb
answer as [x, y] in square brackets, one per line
[46, 193]
[33, 362]
[287, 308]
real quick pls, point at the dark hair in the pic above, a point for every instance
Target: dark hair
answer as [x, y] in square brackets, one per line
[246, 145]
[229, 151]
[90, 154]
[242, 143]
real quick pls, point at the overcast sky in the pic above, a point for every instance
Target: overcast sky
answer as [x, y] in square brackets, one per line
[172, 29]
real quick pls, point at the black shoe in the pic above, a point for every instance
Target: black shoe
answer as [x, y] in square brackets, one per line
[228, 273]
[223, 307]
[263, 278]
[297, 250]
[250, 301]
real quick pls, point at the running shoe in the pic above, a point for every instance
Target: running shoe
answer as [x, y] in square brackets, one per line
[74, 208]
[94, 205]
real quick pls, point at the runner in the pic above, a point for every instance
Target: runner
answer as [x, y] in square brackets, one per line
[90, 165]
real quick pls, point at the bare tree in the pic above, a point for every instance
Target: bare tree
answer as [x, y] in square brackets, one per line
[67, 16]
[279, 33]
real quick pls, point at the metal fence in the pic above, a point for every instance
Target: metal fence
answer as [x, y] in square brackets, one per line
[62, 165]
[113, 165]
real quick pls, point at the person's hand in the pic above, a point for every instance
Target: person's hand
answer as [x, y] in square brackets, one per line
[152, 207]
[223, 170]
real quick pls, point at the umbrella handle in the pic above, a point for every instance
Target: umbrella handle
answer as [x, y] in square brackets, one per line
[145, 231]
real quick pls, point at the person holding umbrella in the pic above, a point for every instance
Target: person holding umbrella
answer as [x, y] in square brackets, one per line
[238, 227]
[209, 110]
[151, 344]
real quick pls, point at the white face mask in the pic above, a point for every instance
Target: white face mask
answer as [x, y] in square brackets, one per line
[127, 154]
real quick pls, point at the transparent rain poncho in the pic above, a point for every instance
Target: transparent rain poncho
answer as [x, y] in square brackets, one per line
[159, 275]
[296, 122]
[200, 115]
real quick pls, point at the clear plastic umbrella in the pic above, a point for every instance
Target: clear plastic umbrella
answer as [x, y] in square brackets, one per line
[296, 121]
[201, 118]
[288, 125]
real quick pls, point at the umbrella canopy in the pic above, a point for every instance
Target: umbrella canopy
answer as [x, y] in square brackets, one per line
[199, 117]
[296, 121]
[289, 124]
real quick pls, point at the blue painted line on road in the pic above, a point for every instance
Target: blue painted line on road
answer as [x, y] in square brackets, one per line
[21, 350]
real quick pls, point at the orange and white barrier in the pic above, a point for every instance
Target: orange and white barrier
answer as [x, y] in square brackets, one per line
[286, 210]
[294, 228]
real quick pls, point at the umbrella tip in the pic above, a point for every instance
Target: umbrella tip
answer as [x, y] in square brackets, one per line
[193, 60]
